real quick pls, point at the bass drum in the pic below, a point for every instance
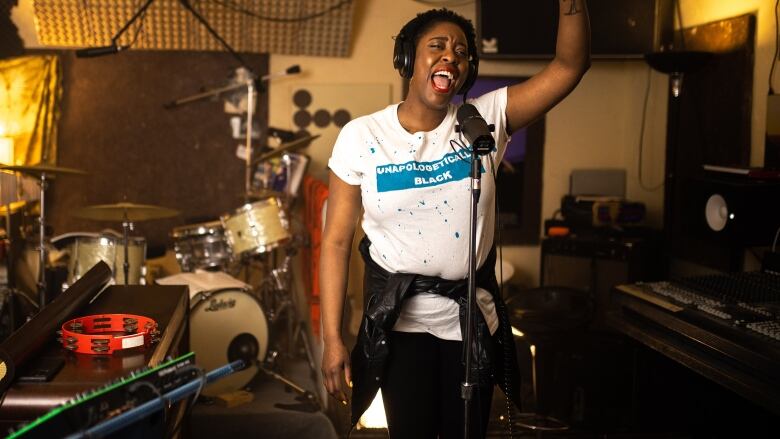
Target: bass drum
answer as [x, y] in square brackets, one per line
[226, 325]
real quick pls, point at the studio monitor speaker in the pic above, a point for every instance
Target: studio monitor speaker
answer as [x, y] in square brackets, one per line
[737, 212]
[527, 28]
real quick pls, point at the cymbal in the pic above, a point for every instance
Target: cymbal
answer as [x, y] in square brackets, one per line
[260, 194]
[41, 168]
[284, 147]
[14, 206]
[124, 211]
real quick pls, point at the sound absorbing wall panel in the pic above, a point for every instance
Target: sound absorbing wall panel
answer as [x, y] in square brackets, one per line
[114, 126]
[299, 27]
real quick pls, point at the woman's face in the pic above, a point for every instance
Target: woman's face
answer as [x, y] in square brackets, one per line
[440, 65]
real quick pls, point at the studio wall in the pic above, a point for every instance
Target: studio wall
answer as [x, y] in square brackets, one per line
[114, 127]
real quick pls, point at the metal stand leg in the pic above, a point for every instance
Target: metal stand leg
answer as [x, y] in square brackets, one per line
[42, 245]
[126, 227]
[536, 421]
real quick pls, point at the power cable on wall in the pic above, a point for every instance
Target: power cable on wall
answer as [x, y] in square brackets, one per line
[228, 4]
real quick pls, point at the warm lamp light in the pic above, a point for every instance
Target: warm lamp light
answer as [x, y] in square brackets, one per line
[676, 64]
[6, 151]
[374, 417]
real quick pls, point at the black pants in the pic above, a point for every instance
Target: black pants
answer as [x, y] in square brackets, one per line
[421, 389]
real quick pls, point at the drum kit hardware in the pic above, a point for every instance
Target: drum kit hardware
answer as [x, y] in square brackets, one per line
[44, 172]
[127, 214]
[228, 320]
[232, 319]
[283, 148]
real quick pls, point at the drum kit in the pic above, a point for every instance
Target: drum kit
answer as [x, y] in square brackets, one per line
[229, 319]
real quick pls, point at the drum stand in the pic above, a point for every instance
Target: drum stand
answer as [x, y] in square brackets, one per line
[43, 183]
[127, 226]
[276, 294]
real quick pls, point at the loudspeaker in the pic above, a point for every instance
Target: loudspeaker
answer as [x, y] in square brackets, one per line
[596, 264]
[619, 28]
[735, 211]
[721, 216]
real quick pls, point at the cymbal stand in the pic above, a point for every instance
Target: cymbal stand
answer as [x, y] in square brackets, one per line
[43, 183]
[250, 102]
[127, 225]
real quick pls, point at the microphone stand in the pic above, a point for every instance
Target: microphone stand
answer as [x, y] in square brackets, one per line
[114, 48]
[467, 386]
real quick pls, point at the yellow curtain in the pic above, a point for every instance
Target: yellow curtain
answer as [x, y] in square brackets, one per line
[30, 93]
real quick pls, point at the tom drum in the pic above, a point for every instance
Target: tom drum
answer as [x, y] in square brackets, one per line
[256, 227]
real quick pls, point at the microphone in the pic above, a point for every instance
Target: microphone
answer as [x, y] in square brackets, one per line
[91, 52]
[476, 130]
[292, 70]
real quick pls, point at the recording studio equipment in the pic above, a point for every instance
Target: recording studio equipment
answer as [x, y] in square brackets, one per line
[404, 54]
[603, 182]
[135, 414]
[99, 51]
[724, 326]
[736, 210]
[722, 215]
[127, 213]
[28, 339]
[596, 263]
[583, 212]
[25, 401]
[44, 173]
[114, 47]
[97, 405]
[476, 130]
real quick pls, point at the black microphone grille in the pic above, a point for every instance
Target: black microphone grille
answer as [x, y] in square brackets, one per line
[466, 111]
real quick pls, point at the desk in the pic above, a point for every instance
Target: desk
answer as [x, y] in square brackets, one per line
[727, 355]
[167, 305]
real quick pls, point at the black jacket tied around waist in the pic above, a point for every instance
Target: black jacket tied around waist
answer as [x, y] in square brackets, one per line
[383, 294]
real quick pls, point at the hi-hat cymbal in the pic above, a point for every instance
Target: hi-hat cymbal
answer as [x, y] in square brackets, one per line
[41, 168]
[284, 147]
[124, 211]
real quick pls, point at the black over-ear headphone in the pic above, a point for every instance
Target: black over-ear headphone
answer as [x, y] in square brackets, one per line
[403, 61]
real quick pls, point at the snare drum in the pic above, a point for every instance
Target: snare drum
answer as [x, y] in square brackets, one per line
[85, 252]
[255, 228]
[226, 325]
[201, 245]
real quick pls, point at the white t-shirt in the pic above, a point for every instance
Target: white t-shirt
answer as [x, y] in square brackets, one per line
[416, 197]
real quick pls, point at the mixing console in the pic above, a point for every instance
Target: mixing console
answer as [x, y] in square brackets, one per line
[746, 300]
[725, 327]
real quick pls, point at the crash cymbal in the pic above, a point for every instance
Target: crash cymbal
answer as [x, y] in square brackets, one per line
[15, 206]
[284, 147]
[41, 168]
[124, 211]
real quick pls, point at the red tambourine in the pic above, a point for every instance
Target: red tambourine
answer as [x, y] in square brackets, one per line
[106, 333]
